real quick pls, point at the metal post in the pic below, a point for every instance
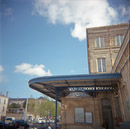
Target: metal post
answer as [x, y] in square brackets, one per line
[56, 90]
[94, 88]
[25, 113]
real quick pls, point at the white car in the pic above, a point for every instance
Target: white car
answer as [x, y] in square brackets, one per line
[9, 120]
[40, 120]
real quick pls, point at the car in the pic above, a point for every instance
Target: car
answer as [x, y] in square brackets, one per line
[10, 123]
[39, 120]
[21, 123]
[2, 125]
[9, 120]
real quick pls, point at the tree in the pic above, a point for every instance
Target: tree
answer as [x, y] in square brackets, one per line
[42, 107]
[24, 104]
[14, 105]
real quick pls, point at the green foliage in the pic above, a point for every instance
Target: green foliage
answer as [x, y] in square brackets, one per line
[24, 104]
[42, 107]
[14, 105]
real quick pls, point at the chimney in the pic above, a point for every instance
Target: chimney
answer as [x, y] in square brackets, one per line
[6, 94]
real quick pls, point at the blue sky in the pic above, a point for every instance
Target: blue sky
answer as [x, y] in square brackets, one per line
[47, 38]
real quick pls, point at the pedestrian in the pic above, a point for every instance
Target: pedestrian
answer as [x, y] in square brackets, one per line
[105, 124]
[49, 127]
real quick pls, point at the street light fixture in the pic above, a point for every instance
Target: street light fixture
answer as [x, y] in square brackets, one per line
[25, 112]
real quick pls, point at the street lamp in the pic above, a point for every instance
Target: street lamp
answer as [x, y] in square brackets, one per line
[25, 113]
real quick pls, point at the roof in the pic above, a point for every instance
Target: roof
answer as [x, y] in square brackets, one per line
[17, 99]
[49, 85]
[109, 26]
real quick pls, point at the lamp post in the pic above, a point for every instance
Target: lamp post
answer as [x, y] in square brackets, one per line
[56, 98]
[25, 113]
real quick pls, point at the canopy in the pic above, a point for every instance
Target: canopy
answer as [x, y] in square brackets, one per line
[69, 83]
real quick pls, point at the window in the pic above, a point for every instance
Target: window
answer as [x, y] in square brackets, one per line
[119, 39]
[5, 101]
[99, 42]
[101, 65]
[3, 109]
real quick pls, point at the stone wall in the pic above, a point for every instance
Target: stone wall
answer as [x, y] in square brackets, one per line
[16, 115]
[89, 104]
[109, 51]
[122, 65]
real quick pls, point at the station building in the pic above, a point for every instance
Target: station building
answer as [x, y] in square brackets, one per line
[103, 94]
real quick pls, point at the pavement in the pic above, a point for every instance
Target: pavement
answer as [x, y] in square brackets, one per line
[44, 126]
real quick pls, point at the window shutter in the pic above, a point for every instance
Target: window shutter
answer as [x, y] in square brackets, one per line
[117, 40]
[101, 41]
[121, 39]
[99, 64]
[97, 42]
[103, 65]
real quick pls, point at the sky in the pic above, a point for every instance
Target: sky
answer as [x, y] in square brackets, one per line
[48, 38]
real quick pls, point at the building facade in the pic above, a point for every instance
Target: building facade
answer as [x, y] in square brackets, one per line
[16, 107]
[122, 65]
[103, 44]
[18, 101]
[3, 105]
[104, 94]
[108, 52]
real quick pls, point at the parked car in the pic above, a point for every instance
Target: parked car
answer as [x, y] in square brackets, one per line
[2, 125]
[39, 120]
[9, 120]
[21, 123]
[10, 123]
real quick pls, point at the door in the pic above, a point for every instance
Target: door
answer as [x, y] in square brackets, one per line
[107, 112]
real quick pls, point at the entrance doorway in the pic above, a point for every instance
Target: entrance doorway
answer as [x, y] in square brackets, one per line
[107, 112]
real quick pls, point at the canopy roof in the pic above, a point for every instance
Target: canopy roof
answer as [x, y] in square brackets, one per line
[66, 84]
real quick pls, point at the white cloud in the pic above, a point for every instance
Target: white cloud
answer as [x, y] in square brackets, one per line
[1, 68]
[38, 70]
[124, 13]
[80, 13]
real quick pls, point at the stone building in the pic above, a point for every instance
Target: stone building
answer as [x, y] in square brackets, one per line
[18, 101]
[3, 105]
[103, 44]
[109, 51]
[104, 94]
[16, 107]
[122, 65]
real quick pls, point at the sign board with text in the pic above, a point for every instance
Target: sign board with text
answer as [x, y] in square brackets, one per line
[79, 115]
[88, 116]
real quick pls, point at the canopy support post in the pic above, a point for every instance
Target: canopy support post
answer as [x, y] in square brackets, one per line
[56, 98]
